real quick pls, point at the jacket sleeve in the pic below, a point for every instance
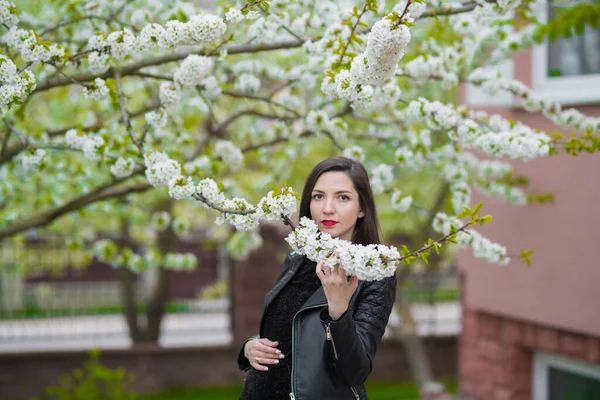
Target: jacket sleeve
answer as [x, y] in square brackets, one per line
[353, 338]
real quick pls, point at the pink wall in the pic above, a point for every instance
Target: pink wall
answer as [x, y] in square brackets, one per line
[562, 288]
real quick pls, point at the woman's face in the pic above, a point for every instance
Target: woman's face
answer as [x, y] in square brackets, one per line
[334, 205]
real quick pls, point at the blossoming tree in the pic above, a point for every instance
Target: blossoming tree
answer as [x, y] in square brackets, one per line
[111, 106]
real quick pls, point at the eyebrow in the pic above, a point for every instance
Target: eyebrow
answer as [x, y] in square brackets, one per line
[338, 192]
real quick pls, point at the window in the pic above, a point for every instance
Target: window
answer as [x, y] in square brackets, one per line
[559, 378]
[567, 70]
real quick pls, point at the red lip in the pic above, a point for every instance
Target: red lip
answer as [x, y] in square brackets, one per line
[328, 223]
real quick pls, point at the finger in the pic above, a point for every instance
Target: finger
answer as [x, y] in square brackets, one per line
[268, 342]
[353, 282]
[322, 269]
[264, 355]
[258, 366]
[267, 359]
[267, 350]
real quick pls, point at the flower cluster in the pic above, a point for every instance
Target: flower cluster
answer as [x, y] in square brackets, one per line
[276, 205]
[31, 49]
[381, 176]
[367, 263]
[231, 155]
[482, 248]
[97, 90]
[193, 70]
[14, 87]
[491, 82]
[240, 244]
[181, 188]
[123, 167]
[399, 203]
[200, 29]
[8, 13]
[160, 169]
[32, 162]
[161, 221]
[385, 47]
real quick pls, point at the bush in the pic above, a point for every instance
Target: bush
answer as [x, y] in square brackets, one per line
[92, 382]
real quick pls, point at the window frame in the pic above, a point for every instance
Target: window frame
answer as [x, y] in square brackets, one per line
[568, 89]
[541, 369]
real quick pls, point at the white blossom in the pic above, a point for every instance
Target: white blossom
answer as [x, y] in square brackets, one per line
[400, 203]
[234, 15]
[192, 70]
[247, 83]
[96, 91]
[123, 167]
[231, 155]
[382, 175]
[93, 147]
[160, 169]
[8, 13]
[161, 220]
[181, 188]
[355, 153]
[204, 28]
[32, 162]
[275, 205]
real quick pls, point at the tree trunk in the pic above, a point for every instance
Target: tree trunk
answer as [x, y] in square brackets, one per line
[157, 305]
[416, 353]
[128, 290]
[159, 291]
[129, 300]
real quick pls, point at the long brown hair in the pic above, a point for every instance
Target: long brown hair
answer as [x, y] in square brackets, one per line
[366, 230]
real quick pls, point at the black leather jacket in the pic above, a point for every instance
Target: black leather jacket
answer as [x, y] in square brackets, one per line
[332, 359]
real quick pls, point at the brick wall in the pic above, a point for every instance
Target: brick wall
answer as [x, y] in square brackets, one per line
[496, 354]
[23, 376]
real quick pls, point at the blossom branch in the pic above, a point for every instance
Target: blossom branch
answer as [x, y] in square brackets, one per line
[99, 194]
[231, 50]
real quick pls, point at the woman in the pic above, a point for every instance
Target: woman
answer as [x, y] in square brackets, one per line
[319, 329]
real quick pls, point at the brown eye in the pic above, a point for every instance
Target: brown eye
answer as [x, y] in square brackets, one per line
[317, 196]
[344, 197]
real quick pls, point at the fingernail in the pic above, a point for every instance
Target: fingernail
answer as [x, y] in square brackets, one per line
[278, 351]
[266, 368]
[281, 356]
[276, 361]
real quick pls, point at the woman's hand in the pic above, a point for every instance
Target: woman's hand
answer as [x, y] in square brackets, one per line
[262, 351]
[338, 289]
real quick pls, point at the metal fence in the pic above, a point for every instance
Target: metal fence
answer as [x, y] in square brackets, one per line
[81, 308]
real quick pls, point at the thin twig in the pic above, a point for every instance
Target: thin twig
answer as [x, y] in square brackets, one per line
[124, 114]
[259, 98]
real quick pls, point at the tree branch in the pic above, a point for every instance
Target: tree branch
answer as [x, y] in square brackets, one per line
[101, 193]
[259, 98]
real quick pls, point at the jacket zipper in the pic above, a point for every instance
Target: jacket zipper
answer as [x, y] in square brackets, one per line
[292, 397]
[330, 338]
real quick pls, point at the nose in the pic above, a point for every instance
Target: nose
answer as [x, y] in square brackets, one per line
[328, 207]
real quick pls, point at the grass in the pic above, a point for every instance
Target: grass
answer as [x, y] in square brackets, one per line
[437, 296]
[376, 391]
[33, 312]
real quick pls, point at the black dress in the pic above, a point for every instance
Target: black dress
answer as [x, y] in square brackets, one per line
[275, 384]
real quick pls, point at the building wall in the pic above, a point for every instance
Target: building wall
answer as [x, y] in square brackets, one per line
[512, 312]
[496, 354]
